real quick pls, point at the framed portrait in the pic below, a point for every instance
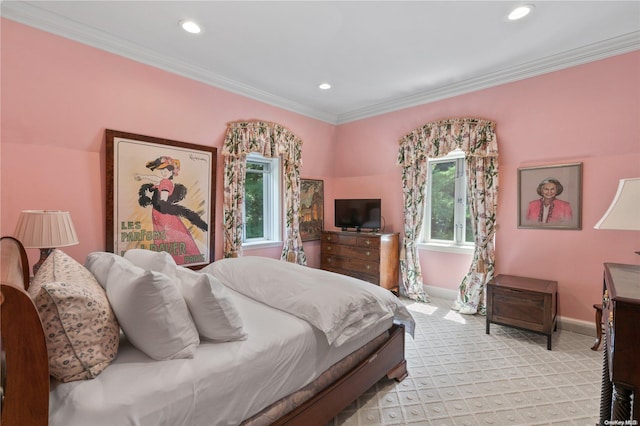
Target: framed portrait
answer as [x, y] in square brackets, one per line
[160, 197]
[550, 197]
[311, 209]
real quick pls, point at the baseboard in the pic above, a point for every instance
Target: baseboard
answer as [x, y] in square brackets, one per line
[441, 293]
[569, 324]
[577, 326]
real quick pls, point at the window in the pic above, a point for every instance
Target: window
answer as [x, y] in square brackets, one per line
[261, 209]
[447, 220]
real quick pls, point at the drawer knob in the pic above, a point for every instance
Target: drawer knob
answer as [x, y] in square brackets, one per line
[367, 242]
[368, 267]
[328, 248]
[610, 319]
[368, 253]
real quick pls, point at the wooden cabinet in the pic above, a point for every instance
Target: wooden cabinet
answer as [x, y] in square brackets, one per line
[526, 303]
[368, 256]
[619, 401]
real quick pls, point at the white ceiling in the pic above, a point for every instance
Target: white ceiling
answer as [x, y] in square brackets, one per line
[379, 56]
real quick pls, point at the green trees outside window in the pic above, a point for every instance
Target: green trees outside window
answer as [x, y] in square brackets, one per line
[448, 214]
[254, 201]
[262, 203]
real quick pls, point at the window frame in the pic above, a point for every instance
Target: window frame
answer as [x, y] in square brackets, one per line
[456, 245]
[272, 209]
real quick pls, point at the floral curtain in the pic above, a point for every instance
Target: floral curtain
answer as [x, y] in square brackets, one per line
[477, 139]
[483, 183]
[269, 140]
[412, 157]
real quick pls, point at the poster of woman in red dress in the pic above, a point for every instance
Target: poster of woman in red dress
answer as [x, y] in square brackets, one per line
[161, 197]
[164, 196]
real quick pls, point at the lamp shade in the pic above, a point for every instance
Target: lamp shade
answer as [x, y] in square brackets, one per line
[45, 229]
[624, 211]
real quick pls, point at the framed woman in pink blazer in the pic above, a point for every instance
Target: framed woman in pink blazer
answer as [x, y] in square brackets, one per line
[549, 209]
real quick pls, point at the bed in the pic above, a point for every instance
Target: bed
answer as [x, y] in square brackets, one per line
[284, 369]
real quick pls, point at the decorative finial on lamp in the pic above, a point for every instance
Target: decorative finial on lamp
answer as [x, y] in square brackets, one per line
[624, 211]
[46, 230]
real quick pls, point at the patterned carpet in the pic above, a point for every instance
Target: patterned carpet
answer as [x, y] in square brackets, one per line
[458, 375]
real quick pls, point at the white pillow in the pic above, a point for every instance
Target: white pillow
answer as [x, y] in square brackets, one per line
[213, 311]
[151, 312]
[149, 260]
[99, 263]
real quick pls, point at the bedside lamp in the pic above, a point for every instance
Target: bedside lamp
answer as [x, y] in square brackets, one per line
[624, 211]
[46, 230]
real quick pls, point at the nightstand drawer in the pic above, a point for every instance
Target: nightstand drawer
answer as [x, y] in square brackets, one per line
[519, 306]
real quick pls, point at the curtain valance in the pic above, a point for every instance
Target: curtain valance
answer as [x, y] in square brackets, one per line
[476, 137]
[263, 137]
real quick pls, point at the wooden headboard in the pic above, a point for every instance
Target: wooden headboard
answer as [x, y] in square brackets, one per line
[25, 364]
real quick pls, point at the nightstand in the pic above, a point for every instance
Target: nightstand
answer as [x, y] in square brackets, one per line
[526, 303]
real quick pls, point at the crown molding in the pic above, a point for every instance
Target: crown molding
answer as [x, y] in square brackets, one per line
[615, 46]
[33, 16]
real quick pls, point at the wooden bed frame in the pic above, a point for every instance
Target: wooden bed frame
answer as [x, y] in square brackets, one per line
[25, 372]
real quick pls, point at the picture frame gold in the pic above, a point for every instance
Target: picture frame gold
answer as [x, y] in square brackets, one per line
[160, 197]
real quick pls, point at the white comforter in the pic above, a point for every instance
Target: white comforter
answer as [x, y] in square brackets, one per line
[222, 385]
[227, 382]
[337, 305]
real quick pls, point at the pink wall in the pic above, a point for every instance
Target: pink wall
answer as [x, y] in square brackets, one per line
[58, 96]
[586, 114]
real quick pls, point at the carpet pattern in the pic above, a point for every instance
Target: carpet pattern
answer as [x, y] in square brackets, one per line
[459, 375]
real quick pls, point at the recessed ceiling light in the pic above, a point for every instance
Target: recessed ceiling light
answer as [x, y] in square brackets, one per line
[520, 12]
[324, 86]
[190, 27]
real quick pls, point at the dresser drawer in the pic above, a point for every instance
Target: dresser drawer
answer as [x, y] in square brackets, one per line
[334, 238]
[331, 262]
[351, 252]
[373, 279]
[351, 264]
[363, 266]
[367, 271]
[368, 242]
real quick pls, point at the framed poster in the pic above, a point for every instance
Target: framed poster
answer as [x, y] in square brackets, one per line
[550, 197]
[160, 197]
[311, 209]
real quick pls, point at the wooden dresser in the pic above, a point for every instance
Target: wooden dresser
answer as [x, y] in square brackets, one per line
[368, 256]
[621, 353]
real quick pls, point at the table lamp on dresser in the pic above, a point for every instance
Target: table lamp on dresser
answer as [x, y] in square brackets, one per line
[45, 230]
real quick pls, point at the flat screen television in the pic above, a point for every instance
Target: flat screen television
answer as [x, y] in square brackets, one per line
[358, 214]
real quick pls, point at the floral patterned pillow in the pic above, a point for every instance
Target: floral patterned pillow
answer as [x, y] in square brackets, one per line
[81, 330]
